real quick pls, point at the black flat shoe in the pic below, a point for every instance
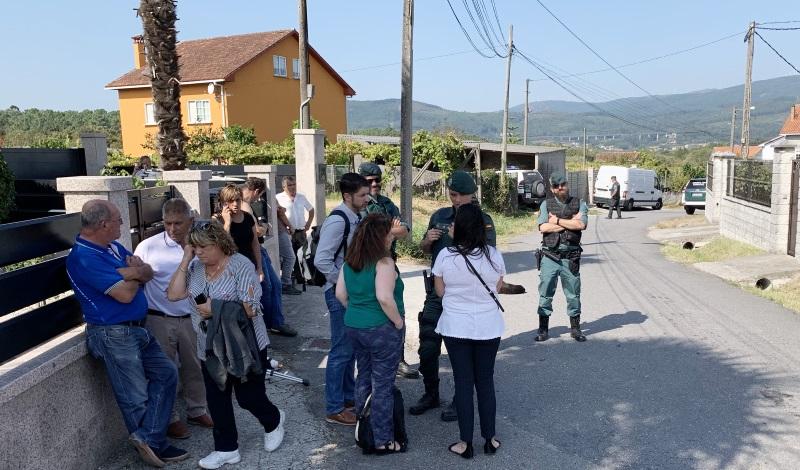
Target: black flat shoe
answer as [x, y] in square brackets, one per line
[468, 452]
[391, 448]
[489, 448]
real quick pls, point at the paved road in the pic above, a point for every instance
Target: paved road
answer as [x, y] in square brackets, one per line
[680, 370]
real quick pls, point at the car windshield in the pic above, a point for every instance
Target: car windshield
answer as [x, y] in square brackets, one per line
[697, 184]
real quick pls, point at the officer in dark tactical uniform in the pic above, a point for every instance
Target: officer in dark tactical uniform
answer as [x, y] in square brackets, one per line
[561, 221]
[378, 203]
[461, 188]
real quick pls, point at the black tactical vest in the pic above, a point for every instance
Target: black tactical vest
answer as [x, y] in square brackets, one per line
[563, 211]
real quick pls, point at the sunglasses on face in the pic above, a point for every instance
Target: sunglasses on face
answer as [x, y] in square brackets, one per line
[374, 180]
[562, 185]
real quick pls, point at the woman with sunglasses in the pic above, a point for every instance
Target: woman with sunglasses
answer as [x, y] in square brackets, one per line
[371, 289]
[211, 269]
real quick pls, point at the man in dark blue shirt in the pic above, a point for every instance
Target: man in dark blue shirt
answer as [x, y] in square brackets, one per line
[107, 280]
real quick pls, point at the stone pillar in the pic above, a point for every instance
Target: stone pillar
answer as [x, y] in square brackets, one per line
[95, 147]
[720, 181]
[309, 154]
[590, 184]
[267, 173]
[79, 189]
[781, 191]
[192, 185]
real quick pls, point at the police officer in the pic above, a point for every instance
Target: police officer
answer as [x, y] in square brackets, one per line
[461, 188]
[562, 218]
[378, 203]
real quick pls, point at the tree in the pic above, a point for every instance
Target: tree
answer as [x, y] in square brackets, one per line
[158, 21]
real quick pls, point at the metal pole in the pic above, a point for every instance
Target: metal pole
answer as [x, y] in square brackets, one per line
[503, 154]
[305, 75]
[525, 126]
[406, 103]
[584, 148]
[478, 171]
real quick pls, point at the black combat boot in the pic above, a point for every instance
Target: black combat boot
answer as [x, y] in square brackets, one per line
[428, 401]
[449, 412]
[406, 371]
[544, 323]
[575, 328]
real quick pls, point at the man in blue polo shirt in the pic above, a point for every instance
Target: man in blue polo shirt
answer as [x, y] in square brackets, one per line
[107, 280]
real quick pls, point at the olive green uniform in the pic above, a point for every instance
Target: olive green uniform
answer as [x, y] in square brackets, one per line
[430, 342]
[384, 205]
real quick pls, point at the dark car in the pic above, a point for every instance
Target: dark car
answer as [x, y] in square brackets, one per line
[531, 190]
[694, 195]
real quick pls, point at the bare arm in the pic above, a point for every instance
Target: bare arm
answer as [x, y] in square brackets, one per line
[385, 277]
[431, 236]
[125, 291]
[178, 288]
[341, 289]
[256, 247]
[310, 219]
[438, 284]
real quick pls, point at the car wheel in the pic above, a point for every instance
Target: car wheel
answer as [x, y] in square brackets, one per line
[538, 189]
[689, 210]
[659, 205]
[629, 205]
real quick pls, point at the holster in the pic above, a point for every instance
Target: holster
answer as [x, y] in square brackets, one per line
[537, 258]
[428, 280]
[574, 258]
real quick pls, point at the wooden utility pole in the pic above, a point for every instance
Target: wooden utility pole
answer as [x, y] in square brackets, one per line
[478, 172]
[503, 154]
[406, 103]
[733, 127]
[584, 148]
[748, 81]
[305, 75]
[525, 125]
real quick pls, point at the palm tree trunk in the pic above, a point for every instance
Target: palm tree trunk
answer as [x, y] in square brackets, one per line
[158, 20]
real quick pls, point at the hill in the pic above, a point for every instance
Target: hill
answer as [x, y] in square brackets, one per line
[685, 114]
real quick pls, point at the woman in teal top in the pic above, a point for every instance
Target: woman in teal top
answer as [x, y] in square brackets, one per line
[370, 287]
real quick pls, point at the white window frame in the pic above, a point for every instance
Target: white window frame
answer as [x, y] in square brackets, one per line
[279, 66]
[150, 114]
[296, 69]
[193, 114]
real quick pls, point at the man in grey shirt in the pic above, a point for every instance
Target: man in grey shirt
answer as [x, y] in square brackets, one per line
[329, 258]
[614, 199]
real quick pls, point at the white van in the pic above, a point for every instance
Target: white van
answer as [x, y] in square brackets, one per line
[639, 187]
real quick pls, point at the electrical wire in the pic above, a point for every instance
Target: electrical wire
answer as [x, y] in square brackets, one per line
[778, 29]
[776, 52]
[469, 38]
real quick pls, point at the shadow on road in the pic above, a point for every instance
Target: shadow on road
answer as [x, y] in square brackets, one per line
[606, 323]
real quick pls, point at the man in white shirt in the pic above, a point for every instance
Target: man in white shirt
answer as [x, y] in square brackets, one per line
[297, 224]
[170, 322]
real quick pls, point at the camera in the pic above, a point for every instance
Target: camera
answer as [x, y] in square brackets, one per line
[442, 226]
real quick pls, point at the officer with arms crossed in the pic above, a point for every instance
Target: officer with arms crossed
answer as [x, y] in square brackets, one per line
[378, 203]
[562, 218]
[461, 188]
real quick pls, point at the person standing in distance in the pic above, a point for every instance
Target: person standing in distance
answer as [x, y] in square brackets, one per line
[296, 205]
[562, 219]
[614, 199]
[380, 204]
[461, 188]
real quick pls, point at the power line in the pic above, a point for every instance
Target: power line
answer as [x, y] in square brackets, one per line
[781, 22]
[469, 38]
[778, 29]
[608, 63]
[776, 51]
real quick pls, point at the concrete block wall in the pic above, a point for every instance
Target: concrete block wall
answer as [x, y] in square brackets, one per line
[746, 222]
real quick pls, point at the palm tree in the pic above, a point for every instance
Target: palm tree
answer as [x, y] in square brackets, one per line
[158, 20]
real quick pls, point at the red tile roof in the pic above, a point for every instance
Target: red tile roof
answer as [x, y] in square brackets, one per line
[220, 58]
[752, 151]
[792, 123]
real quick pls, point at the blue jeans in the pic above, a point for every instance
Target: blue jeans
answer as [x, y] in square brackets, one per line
[142, 376]
[271, 303]
[377, 351]
[340, 371]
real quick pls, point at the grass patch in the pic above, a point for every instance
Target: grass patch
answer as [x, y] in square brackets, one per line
[717, 249]
[787, 295]
[683, 221]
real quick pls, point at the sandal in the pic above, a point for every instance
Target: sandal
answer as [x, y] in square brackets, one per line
[390, 448]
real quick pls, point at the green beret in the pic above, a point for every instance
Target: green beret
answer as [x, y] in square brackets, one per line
[369, 169]
[462, 182]
[557, 178]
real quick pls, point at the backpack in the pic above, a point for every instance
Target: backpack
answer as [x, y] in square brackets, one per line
[310, 274]
[364, 438]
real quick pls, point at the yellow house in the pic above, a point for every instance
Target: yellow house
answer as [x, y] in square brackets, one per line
[252, 80]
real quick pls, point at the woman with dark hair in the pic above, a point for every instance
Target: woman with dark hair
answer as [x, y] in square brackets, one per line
[212, 270]
[370, 287]
[467, 277]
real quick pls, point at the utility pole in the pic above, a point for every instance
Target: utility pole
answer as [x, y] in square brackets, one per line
[503, 154]
[305, 73]
[406, 103]
[748, 81]
[733, 127]
[525, 126]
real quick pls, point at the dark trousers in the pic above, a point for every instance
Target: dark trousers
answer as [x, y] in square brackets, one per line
[430, 343]
[614, 203]
[473, 367]
[251, 395]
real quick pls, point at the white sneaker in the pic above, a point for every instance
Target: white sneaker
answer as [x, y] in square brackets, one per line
[217, 459]
[272, 440]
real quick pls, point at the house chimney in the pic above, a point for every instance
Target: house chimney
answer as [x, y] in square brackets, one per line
[139, 58]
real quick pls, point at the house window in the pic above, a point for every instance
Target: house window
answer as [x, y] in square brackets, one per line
[199, 112]
[149, 114]
[296, 69]
[279, 65]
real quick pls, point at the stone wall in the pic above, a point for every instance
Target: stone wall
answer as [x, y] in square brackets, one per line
[745, 221]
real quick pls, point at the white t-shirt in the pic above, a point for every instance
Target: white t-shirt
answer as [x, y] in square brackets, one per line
[295, 210]
[468, 310]
[164, 255]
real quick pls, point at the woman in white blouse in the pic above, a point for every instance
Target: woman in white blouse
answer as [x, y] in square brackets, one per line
[471, 323]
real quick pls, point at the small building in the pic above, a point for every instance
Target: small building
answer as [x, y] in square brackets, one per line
[251, 80]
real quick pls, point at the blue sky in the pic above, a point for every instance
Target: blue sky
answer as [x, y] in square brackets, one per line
[59, 54]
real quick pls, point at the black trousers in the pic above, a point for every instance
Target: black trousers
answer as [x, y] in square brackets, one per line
[473, 367]
[251, 395]
[614, 203]
[430, 343]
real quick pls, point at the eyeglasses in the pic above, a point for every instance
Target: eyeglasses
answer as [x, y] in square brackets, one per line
[376, 180]
[202, 225]
[562, 185]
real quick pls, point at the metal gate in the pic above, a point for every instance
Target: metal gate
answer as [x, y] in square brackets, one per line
[790, 249]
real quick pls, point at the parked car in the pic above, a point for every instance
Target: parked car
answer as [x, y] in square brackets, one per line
[640, 187]
[531, 189]
[693, 196]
